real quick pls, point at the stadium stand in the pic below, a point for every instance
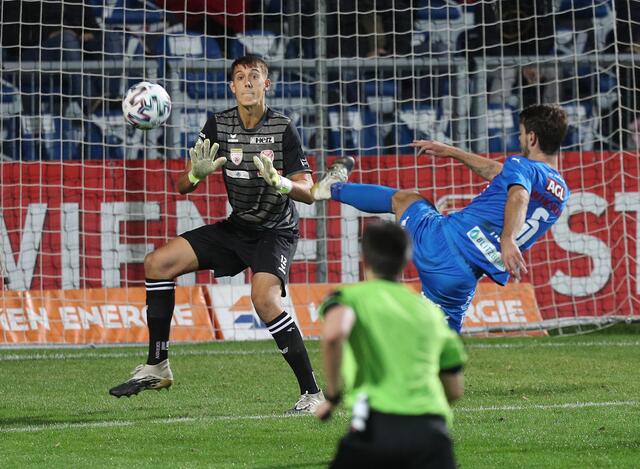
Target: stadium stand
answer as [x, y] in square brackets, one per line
[503, 127]
[580, 135]
[423, 123]
[49, 137]
[377, 100]
[190, 123]
[353, 131]
[120, 46]
[177, 49]
[134, 15]
[107, 136]
[10, 109]
[438, 26]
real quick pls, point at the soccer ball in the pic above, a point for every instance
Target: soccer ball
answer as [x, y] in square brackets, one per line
[146, 105]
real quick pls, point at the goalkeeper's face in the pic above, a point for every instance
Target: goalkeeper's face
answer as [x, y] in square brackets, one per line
[249, 85]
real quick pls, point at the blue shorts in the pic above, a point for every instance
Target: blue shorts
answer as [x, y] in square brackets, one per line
[446, 278]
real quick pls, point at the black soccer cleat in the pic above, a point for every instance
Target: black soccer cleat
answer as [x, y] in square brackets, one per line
[145, 377]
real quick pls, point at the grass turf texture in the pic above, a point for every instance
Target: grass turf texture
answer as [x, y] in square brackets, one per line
[540, 402]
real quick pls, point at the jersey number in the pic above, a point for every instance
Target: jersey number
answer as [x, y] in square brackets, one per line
[532, 225]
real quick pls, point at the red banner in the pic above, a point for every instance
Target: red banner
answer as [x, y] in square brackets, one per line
[88, 225]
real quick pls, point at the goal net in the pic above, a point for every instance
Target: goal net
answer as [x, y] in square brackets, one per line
[84, 196]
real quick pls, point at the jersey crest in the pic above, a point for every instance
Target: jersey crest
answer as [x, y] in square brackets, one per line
[236, 155]
[268, 153]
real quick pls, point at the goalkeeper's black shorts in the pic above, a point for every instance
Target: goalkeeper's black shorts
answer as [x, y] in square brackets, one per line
[228, 249]
[397, 441]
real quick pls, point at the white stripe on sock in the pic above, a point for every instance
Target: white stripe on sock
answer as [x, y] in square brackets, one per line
[161, 282]
[283, 326]
[161, 288]
[285, 318]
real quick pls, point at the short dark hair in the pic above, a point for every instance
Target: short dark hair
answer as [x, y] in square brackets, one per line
[549, 123]
[249, 60]
[385, 249]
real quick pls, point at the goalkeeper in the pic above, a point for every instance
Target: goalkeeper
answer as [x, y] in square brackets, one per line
[264, 171]
[400, 363]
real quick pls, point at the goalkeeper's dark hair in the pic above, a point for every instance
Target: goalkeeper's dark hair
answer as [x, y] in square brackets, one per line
[249, 60]
[385, 249]
[549, 123]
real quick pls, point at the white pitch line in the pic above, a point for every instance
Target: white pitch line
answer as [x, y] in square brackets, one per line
[124, 354]
[221, 418]
[568, 405]
[554, 344]
[130, 423]
[79, 355]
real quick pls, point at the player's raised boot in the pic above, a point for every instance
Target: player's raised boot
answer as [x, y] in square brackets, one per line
[338, 172]
[307, 404]
[145, 377]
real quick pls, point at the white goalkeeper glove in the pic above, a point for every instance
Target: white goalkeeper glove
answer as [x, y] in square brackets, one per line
[269, 173]
[203, 160]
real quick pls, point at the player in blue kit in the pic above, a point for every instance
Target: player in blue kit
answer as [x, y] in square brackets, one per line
[525, 196]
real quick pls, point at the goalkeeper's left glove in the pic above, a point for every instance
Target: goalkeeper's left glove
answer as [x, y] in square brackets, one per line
[269, 173]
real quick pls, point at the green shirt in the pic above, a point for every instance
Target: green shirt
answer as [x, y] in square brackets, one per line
[397, 347]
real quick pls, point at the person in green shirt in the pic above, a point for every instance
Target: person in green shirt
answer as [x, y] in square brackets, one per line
[390, 352]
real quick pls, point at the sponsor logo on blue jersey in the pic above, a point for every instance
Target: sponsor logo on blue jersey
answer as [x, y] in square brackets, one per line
[556, 188]
[486, 247]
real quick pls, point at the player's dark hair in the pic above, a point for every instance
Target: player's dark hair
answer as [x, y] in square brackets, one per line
[549, 124]
[385, 249]
[249, 60]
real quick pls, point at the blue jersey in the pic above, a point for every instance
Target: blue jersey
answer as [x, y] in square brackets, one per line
[476, 229]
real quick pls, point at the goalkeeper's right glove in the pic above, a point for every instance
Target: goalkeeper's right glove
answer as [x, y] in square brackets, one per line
[203, 160]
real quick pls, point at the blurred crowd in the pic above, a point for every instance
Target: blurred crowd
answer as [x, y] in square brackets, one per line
[91, 32]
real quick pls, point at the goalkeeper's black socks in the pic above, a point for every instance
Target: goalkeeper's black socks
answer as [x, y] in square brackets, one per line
[289, 341]
[161, 299]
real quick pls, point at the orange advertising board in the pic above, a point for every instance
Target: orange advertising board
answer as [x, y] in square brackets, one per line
[118, 315]
[494, 306]
[511, 307]
[96, 316]
[236, 319]
[503, 310]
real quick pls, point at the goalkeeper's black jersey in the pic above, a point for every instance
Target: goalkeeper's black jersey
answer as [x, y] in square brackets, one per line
[256, 205]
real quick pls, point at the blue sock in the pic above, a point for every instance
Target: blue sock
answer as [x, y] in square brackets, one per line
[368, 198]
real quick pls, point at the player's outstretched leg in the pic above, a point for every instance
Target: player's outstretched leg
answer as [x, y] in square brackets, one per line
[338, 172]
[368, 198]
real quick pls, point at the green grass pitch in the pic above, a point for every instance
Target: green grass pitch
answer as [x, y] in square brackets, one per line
[569, 402]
